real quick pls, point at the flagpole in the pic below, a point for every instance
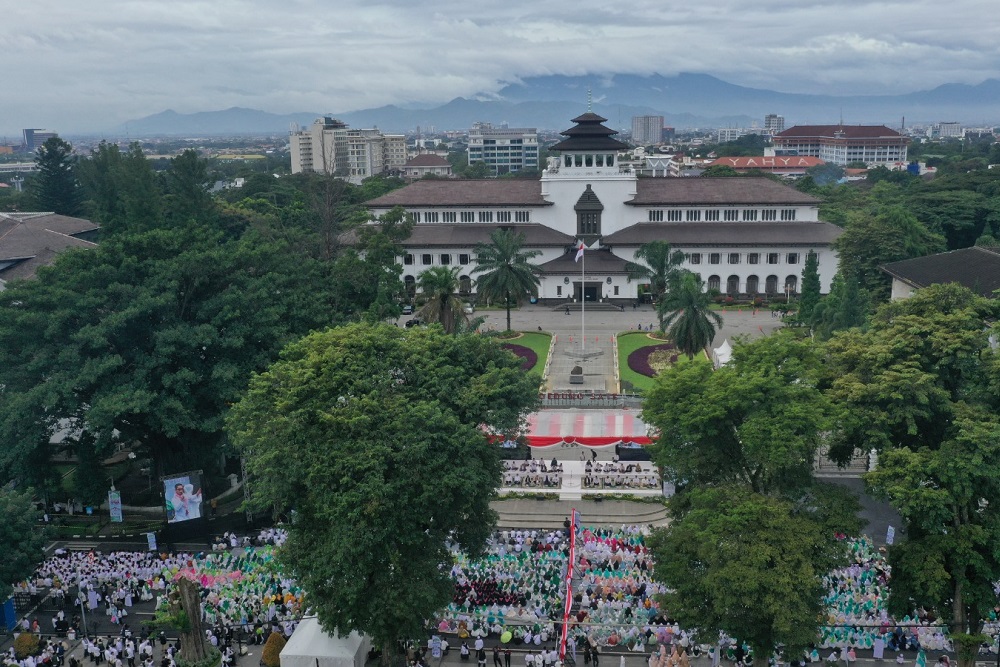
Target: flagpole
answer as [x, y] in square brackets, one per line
[583, 300]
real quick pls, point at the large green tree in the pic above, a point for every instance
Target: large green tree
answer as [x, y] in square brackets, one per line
[688, 318]
[120, 189]
[659, 266]
[901, 380]
[146, 340]
[869, 241]
[920, 386]
[22, 535]
[440, 285]
[949, 499]
[846, 306]
[385, 432]
[748, 565]
[756, 422]
[506, 269]
[809, 296]
[55, 187]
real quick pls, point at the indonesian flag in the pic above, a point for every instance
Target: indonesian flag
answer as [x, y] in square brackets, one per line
[579, 253]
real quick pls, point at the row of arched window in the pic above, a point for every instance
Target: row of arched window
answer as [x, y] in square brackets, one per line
[752, 285]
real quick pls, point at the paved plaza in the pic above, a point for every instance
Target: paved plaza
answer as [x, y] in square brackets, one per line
[596, 355]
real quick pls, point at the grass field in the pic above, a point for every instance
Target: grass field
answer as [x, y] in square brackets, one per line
[539, 344]
[629, 342]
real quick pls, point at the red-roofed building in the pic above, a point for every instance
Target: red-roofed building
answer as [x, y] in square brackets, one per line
[782, 165]
[843, 144]
[427, 164]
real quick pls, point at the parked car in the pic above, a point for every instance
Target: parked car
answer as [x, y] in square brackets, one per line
[407, 309]
[413, 322]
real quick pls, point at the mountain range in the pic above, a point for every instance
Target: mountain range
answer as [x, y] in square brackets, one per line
[549, 102]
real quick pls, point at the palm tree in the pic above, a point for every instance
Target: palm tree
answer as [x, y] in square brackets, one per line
[659, 267]
[440, 285]
[692, 324]
[506, 270]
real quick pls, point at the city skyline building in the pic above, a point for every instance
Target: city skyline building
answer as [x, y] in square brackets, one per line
[647, 130]
[329, 146]
[503, 149]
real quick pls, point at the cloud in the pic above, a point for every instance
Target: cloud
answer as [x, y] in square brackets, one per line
[90, 65]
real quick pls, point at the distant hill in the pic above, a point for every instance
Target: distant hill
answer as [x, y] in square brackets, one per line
[549, 102]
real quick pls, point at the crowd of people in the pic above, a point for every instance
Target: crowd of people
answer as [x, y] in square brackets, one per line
[517, 586]
[516, 590]
[857, 614]
[615, 601]
[620, 475]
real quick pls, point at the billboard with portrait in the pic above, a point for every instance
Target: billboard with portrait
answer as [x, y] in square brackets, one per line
[183, 497]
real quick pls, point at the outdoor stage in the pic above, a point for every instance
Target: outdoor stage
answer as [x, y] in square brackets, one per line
[589, 428]
[574, 436]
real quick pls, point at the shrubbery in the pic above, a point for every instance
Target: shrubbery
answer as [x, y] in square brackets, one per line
[26, 644]
[271, 656]
[639, 359]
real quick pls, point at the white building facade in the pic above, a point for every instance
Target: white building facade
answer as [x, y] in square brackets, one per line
[742, 236]
[330, 146]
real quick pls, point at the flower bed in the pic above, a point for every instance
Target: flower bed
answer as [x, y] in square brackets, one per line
[526, 353]
[638, 361]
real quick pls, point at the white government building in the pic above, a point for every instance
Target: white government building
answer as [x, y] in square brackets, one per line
[743, 236]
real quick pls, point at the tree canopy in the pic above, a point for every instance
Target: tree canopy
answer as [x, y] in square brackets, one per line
[444, 306]
[147, 339]
[920, 386]
[686, 315]
[747, 565]
[506, 270]
[55, 187]
[22, 537]
[384, 430]
[757, 421]
[659, 265]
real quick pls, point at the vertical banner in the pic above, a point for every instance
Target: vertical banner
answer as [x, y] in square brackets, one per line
[115, 505]
[182, 495]
[151, 541]
[890, 536]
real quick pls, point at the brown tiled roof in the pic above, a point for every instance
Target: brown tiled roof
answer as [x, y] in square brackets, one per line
[36, 239]
[427, 160]
[489, 192]
[466, 235]
[830, 131]
[720, 191]
[976, 268]
[727, 233]
[597, 261]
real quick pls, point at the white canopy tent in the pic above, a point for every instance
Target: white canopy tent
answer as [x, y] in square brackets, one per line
[311, 646]
[722, 354]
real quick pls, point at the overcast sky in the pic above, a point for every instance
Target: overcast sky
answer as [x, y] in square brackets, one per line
[75, 65]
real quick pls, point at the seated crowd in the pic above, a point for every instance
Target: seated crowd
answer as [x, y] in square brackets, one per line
[532, 473]
[617, 475]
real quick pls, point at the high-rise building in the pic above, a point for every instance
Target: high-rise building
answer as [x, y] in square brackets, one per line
[503, 149]
[647, 130]
[773, 124]
[35, 137]
[330, 146]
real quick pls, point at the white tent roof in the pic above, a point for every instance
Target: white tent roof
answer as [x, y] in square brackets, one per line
[311, 646]
[723, 353]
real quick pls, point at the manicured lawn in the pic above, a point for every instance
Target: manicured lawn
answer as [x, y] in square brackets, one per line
[629, 342]
[539, 343]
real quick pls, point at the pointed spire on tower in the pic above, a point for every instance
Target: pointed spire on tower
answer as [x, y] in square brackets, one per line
[590, 100]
